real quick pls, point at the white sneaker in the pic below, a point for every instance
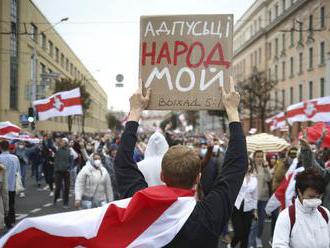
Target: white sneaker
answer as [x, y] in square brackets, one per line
[21, 195]
[51, 193]
[259, 243]
[46, 187]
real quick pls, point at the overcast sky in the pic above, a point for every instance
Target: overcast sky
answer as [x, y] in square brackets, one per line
[104, 34]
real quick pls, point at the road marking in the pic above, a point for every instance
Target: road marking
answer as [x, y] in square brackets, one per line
[35, 210]
[47, 205]
[20, 216]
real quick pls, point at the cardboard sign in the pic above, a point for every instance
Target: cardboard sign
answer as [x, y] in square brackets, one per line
[184, 59]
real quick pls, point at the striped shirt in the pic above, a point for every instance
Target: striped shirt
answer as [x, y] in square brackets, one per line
[12, 166]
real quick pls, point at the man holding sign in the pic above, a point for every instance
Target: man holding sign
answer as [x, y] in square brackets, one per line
[202, 220]
[184, 60]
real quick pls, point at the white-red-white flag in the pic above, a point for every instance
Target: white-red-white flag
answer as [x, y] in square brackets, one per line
[60, 104]
[6, 127]
[151, 218]
[277, 122]
[316, 110]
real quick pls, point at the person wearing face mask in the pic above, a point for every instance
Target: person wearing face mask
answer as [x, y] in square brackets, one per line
[22, 154]
[305, 224]
[93, 185]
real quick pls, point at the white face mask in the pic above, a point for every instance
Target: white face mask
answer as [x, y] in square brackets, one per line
[215, 149]
[311, 204]
[203, 152]
[97, 163]
[21, 146]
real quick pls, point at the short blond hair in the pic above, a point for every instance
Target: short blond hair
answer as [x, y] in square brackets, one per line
[180, 167]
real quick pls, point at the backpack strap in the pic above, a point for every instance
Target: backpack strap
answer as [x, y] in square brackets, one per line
[292, 215]
[323, 213]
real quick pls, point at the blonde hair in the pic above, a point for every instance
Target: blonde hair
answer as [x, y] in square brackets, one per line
[180, 167]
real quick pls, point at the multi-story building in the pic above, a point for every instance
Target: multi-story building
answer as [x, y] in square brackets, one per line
[29, 48]
[289, 40]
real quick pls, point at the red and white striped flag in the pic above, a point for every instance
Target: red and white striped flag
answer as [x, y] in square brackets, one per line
[277, 122]
[151, 218]
[316, 110]
[284, 194]
[7, 127]
[60, 104]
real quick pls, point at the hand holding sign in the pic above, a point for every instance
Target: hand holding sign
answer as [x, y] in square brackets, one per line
[138, 103]
[231, 101]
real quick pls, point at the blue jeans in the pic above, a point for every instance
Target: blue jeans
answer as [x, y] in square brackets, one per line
[258, 226]
[23, 173]
[38, 170]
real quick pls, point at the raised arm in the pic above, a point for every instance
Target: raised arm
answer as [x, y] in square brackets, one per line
[216, 208]
[129, 177]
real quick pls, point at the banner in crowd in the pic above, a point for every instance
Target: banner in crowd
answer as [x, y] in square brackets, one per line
[277, 122]
[63, 103]
[315, 110]
[7, 127]
[131, 222]
[184, 59]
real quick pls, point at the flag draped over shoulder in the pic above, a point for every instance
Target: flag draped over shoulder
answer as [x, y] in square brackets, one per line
[284, 194]
[60, 104]
[151, 218]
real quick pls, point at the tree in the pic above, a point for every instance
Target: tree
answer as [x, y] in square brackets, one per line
[65, 84]
[256, 97]
[113, 122]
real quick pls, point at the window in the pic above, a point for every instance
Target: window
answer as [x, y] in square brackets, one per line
[34, 32]
[310, 63]
[270, 16]
[322, 87]
[43, 41]
[269, 73]
[276, 99]
[276, 10]
[260, 51]
[301, 63]
[300, 31]
[67, 65]
[71, 69]
[13, 101]
[310, 23]
[283, 42]
[255, 57]
[283, 98]
[322, 58]
[13, 40]
[283, 70]
[276, 47]
[251, 60]
[291, 2]
[300, 92]
[269, 50]
[322, 17]
[276, 72]
[291, 67]
[43, 68]
[283, 5]
[291, 95]
[13, 10]
[259, 21]
[310, 89]
[51, 48]
[62, 60]
[57, 54]
[292, 37]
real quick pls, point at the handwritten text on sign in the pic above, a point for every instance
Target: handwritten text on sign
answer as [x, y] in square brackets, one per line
[184, 59]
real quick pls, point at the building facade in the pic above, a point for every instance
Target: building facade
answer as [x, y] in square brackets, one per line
[32, 54]
[289, 40]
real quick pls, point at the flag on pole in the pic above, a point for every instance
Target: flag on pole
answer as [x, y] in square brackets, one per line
[151, 218]
[63, 103]
[316, 110]
[277, 122]
[7, 127]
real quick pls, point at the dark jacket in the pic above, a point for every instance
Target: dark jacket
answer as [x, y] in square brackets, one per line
[202, 229]
[62, 159]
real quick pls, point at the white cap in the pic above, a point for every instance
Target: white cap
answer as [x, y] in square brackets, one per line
[65, 140]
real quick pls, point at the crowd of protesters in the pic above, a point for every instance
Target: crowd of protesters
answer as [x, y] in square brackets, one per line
[87, 164]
